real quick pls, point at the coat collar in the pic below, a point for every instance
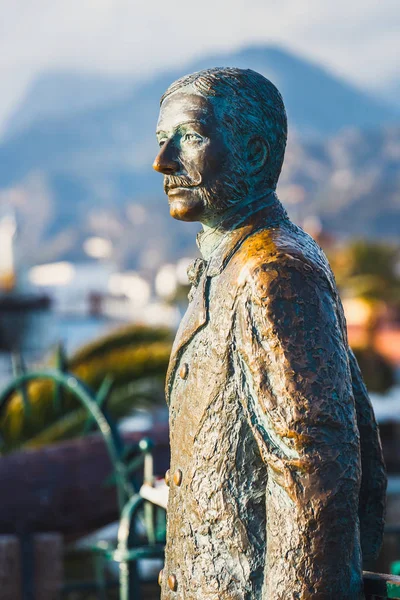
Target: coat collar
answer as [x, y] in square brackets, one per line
[262, 215]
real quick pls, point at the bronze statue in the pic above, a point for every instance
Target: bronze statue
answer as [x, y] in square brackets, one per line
[277, 481]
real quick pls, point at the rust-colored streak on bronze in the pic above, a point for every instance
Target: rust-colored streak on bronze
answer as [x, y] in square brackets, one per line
[277, 484]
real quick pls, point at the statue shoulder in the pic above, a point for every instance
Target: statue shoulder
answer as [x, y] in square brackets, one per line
[284, 257]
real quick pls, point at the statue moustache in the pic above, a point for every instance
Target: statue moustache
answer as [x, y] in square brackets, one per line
[218, 195]
[175, 181]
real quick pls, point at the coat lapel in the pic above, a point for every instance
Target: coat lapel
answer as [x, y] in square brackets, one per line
[194, 318]
[263, 216]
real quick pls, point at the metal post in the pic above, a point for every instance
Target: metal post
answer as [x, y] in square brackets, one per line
[27, 567]
[99, 575]
[130, 588]
[48, 566]
[149, 513]
[10, 568]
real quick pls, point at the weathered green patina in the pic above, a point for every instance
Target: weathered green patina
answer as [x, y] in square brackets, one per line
[281, 486]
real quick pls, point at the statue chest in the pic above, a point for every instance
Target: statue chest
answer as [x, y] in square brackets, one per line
[201, 377]
[217, 478]
[201, 369]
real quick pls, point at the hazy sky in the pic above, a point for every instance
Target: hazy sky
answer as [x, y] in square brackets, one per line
[358, 39]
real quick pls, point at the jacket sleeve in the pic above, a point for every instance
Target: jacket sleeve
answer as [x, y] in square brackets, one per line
[372, 503]
[295, 385]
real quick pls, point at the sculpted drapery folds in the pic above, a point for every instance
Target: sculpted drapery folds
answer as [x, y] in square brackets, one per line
[277, 481]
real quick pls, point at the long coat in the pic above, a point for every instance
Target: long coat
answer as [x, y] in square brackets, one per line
[271, 428]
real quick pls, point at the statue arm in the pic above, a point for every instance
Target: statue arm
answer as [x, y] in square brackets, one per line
[295, 385]
[373, 482]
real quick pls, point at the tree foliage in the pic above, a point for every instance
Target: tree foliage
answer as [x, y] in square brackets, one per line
[134, 360]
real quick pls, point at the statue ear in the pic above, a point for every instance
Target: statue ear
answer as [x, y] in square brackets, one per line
[257, 153]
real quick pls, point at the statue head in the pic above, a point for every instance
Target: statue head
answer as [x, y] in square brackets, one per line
[222, 136]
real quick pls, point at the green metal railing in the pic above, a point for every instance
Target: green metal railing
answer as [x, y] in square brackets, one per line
[92, 403]
[130, 547]
[378, 586]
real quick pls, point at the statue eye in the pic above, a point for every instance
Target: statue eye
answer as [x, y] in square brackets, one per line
[192, 137]
[162, 142]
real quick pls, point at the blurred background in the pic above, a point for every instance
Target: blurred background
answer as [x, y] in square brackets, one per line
[92, 267]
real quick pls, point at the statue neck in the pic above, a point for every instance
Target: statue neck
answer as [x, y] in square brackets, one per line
[211, 236]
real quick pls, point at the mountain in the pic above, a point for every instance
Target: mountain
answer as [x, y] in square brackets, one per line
[351, 182]
[59, 94]
[119, 136]
[317, 102]
[390, 92]
[91, 168]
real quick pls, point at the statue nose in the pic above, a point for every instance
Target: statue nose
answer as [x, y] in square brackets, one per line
[167, 167]
[164, 161]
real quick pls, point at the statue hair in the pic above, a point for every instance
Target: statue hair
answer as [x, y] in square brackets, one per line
[253, 106]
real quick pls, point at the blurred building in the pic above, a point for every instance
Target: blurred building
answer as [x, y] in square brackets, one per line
[8, 229]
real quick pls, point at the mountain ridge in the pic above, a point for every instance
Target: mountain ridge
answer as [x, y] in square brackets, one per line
[58, 93]
[98, 160]
[270, 60]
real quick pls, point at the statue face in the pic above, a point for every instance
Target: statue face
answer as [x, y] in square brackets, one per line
[194, 158]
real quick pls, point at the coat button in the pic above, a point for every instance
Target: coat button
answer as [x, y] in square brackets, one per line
[178, 477]
[160, 577]
[184, 371]
[172, 583]
[167, 477]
